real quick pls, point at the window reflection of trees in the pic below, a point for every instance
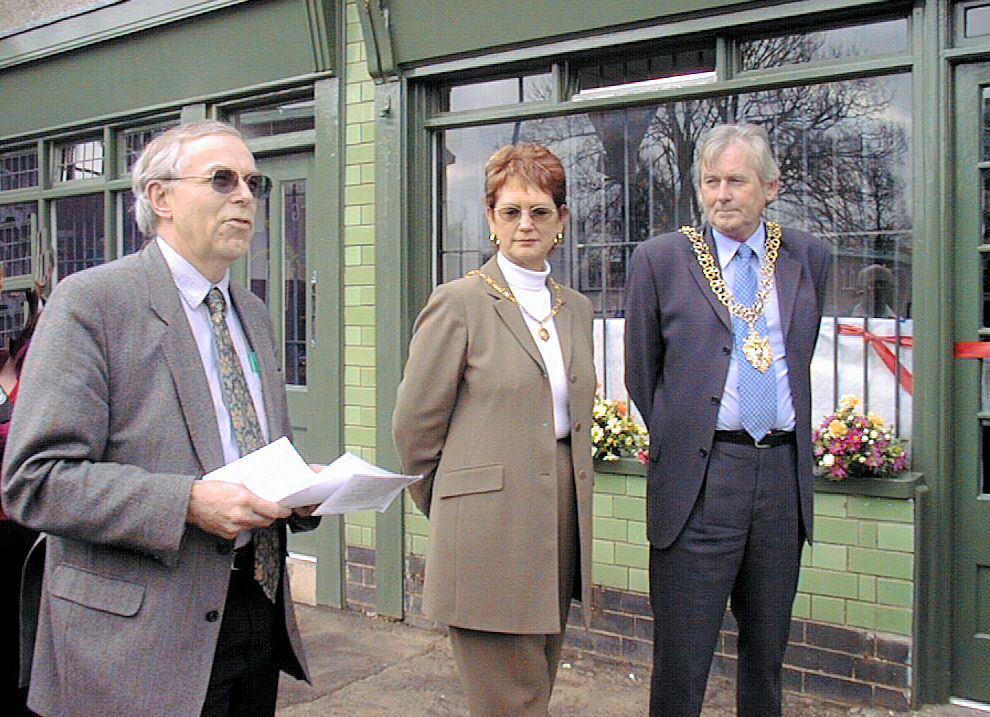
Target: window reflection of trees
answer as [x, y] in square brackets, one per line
[844, 153]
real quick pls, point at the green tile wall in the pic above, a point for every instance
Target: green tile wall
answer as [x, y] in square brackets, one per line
[359, 264]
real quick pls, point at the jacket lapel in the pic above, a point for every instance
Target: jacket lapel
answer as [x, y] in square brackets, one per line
[182, 359]
[699, 277]
[787, 276]
[510, 314]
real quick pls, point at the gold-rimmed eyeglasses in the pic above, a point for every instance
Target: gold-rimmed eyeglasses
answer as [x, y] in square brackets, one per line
[539, 214]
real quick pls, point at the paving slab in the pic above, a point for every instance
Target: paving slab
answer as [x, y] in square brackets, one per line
[367, 666]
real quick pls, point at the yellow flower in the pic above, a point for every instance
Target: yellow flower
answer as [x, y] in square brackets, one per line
[875, 419]
[849, 401]
[837, 428]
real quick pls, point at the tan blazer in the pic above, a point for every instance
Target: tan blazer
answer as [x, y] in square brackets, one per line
[474, 413]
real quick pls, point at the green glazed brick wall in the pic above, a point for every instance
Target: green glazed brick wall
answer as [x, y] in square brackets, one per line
[859, 573]
[860, 570]
[359, 264]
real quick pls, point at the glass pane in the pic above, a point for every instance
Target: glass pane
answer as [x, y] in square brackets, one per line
[641, 68]
[15, 237]
[870, 39]
[273, 119]
[845, 155]
[985, 473]
[294, 211]
[507, 91]
[79, 233]
[13, 314]
[18, 168]
[985, 259]
[986, 124]
[977, 21]
[260, 248]
[132, 240]
[79, 159]
[133, 141]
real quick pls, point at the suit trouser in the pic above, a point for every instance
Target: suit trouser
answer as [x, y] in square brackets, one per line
[244, 678]
[512, 675]
[741, 542]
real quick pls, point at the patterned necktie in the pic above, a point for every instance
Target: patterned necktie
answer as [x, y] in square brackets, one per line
[247, 433]
[757, 390]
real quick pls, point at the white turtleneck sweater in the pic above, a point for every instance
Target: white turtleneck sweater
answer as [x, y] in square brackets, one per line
[531, 291]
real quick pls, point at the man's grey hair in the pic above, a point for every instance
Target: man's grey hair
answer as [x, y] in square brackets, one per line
[161, 159]
[751, 137]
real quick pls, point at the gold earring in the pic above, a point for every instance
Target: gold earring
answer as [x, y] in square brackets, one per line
[559, 238]
[494, 239]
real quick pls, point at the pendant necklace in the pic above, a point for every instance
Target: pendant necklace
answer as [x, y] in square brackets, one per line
[756, 348]
[558, 300]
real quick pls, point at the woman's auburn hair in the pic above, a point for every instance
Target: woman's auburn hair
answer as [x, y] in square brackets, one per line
[532, 163]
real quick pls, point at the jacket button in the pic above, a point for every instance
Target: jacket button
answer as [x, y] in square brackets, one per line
[582, 475]
[716, 399]
[225, 548]
[726, 350]
[702, 452]
[577, 426]
[573, 378]
[212, 616]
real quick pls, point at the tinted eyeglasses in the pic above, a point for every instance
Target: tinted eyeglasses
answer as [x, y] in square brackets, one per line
[538, 215]
[225, 181]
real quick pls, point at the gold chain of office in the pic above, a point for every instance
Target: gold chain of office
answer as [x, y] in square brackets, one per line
[558, 300]
[756, 348]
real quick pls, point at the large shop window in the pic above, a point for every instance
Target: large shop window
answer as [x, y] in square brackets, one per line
[845, 154]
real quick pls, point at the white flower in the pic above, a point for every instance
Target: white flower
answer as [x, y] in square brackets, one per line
[828, 460]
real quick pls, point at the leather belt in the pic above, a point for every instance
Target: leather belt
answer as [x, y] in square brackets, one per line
[771, 440]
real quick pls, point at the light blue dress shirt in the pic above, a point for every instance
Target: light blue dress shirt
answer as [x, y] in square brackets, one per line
[193, 288]
[728, 413]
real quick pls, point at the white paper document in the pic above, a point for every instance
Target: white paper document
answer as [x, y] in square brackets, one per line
[278, 473]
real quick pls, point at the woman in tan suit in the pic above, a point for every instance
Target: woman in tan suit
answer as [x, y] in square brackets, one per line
[495, 410]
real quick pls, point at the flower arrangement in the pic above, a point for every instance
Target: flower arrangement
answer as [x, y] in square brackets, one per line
[614, 432]
[851, 443]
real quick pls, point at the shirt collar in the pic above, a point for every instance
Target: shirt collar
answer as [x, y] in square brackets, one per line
[192, 285]
[727, 247]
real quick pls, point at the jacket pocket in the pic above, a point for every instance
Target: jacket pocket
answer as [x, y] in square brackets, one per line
[95, 591]
[464, 481]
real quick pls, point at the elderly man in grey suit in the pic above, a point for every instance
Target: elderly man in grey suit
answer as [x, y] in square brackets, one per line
[162, 594]
[720, 328]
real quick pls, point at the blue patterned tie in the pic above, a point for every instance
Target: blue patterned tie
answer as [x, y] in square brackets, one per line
[757, 390]
[247, 433]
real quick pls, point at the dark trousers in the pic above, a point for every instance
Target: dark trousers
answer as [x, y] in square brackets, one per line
[244, 678]
[15, 542]
[742, 542]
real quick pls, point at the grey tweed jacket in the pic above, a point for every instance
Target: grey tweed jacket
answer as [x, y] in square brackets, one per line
[113, 424]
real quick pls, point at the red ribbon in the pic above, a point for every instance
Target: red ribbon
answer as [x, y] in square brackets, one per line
[904, 376]
[973, 349]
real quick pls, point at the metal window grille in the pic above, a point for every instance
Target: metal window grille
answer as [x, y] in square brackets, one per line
[78, 159]
[18, 168]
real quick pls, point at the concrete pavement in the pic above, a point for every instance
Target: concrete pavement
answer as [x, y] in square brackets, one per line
[368, 667]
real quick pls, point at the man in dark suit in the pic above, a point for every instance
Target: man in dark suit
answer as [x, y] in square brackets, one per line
[720, 329]
[163, 594]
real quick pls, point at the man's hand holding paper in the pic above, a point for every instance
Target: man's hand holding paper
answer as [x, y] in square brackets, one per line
[277, 473]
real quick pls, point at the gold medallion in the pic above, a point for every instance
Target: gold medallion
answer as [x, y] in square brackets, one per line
[544, 334]
[758, 351]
